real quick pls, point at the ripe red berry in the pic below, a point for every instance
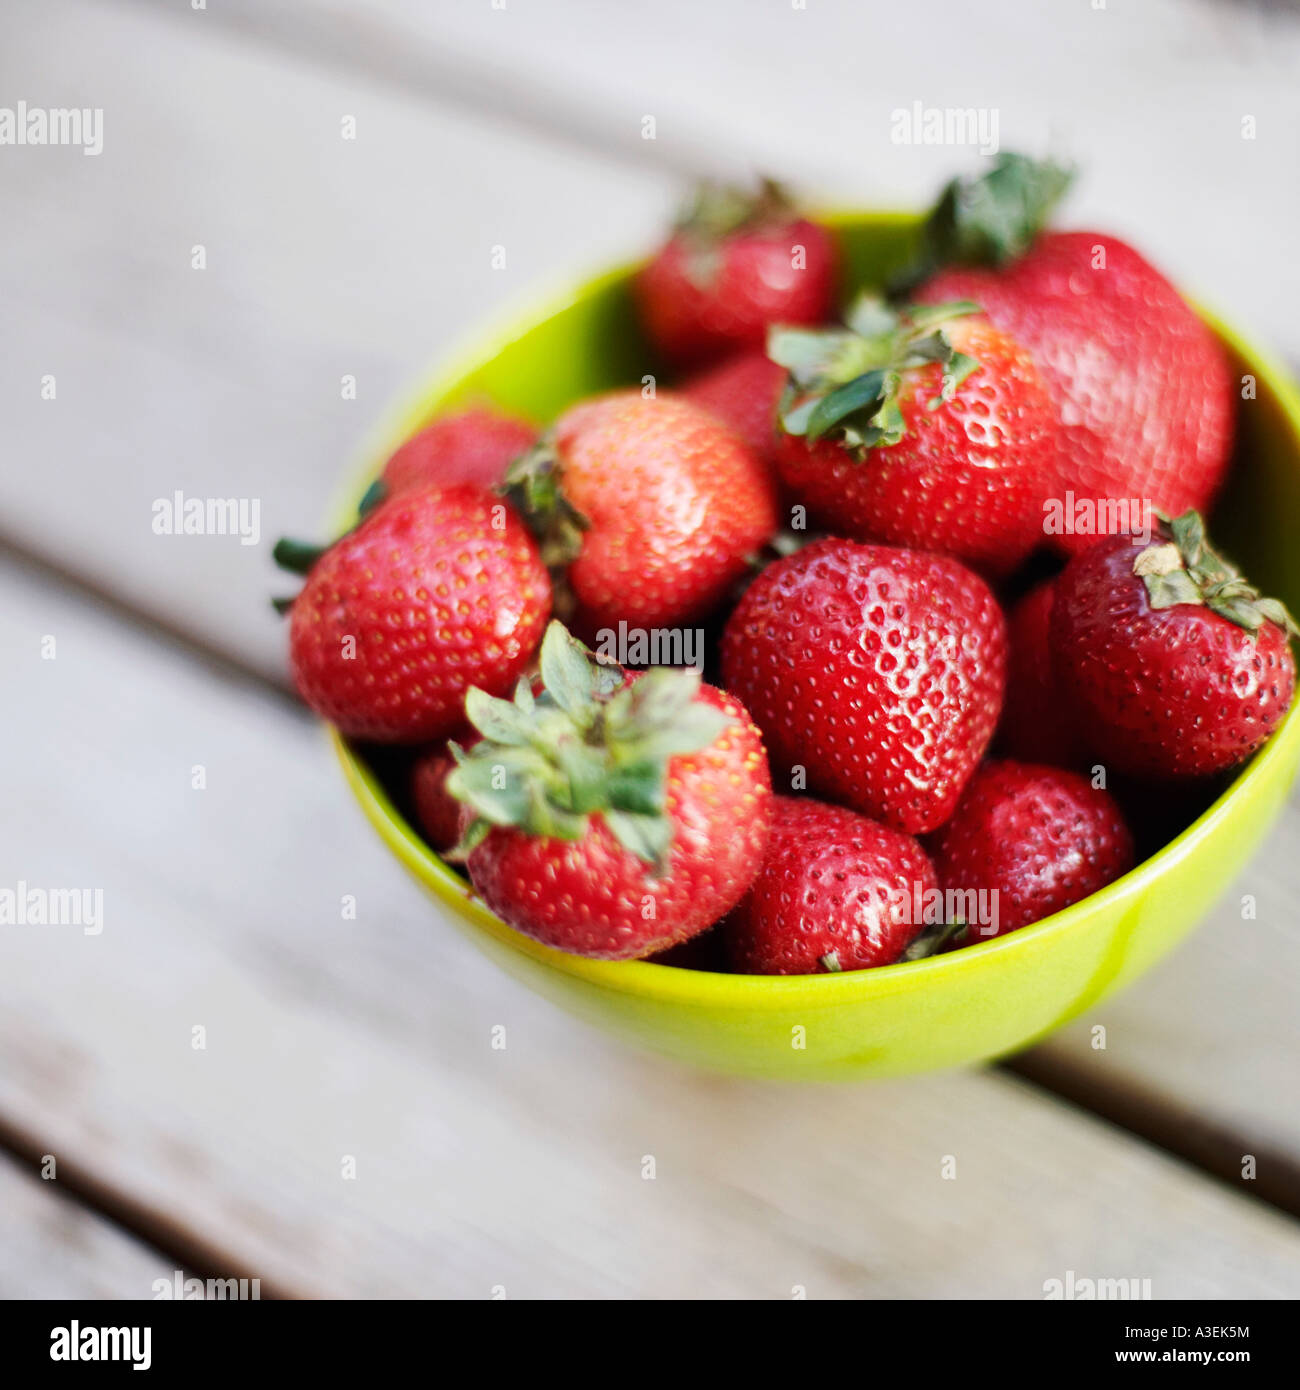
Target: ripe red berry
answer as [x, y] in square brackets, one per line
[835, 893]
[615, 818]
[1143, 388]
[878, 672]
[925, 428]
[437, 812]
[469, 446]
[733, 265]
[743, 393]
[434, 592]
[1175, 664]
[1028, 840]
[651, 503]
[1037, 724]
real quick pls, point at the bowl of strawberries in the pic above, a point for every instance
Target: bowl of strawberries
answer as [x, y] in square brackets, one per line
[813, 651]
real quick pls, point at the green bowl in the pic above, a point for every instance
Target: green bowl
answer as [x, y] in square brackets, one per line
[977, 1003]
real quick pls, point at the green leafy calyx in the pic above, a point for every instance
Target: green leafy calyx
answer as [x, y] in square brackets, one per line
[533, 484]
[589, 743]
[988, 219]
[1180, 566]
[846, 383]
[716, 211]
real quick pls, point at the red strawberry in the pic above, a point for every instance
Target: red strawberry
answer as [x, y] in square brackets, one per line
[743, 393]
[1034, 839]
[433, 592]
[1143, 388]
[437, 812]
[615, 817]
[828, 895]
[470, 446]
[1176, 666]
[654, 505]
[927, 428]
[1037, 725]
[878, 671]
[734, 264]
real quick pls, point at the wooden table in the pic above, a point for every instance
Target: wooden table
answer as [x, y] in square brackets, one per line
[329, 1039]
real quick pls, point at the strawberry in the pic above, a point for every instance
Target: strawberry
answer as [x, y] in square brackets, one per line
[1037, 725]
[614, 816]
[1034, 839]
[742, 392]
[437, 812]
[1143, 388]
[829, 893]
[474, 445]
[733, 265]
[1175, 664]
[927, 428]
[431, 593]
[878, 672]
[651, 503]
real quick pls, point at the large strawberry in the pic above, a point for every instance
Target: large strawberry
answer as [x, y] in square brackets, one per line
[742, 392]
[874, 673]
[1142, 386]
[614, 817]
[927, 427]
[734, 264]
[474, 445]
[1175, 664]
[1037, 723]
[433, 592]
[650, 506]
[1026, 841]
[835, 893]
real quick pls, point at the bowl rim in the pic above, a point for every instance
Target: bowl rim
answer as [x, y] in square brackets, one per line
[677, 985]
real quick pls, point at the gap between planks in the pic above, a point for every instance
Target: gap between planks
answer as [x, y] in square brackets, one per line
[1210, 1150]
[422, 71]
[195, 1257]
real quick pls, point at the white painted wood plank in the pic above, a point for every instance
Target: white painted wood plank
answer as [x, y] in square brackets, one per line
[325, 257]
[371, 1038]
[53, 1248]
[1147, 98]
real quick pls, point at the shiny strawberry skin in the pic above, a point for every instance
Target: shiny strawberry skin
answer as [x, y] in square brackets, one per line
[1037, 725]
[1039, 837]
[469, 446]
[698, 306]
[590, 896]
[829, 884]
[743, 393]
[879, 671]
[1170, 692]
[1143, 388]
[676, 504]
[968, 478]
[438, 590]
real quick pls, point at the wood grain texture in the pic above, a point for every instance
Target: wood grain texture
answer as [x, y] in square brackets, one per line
[53, 1248]
[325, 257]
[328, 1038]
[1148, 100]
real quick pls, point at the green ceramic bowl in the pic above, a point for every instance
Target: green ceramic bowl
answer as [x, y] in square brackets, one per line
[973, 1004]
